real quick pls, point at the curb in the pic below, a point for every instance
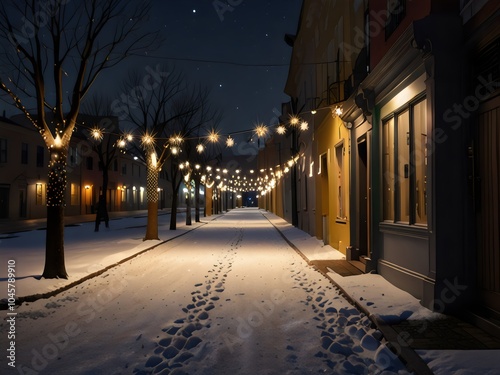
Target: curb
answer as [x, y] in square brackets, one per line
[400, 348]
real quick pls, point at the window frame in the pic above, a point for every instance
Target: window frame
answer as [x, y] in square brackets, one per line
[412, 168]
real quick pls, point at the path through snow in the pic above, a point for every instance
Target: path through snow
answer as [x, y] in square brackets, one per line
[230, 297]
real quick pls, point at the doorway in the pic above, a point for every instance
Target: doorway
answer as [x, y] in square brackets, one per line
[4, 201]
[363, 198]
[325, 199]
[22, 203]
[488, 213]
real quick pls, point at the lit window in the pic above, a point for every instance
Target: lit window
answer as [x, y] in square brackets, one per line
[339, 181]
[75, 194]
[404, 165]
[39, 194]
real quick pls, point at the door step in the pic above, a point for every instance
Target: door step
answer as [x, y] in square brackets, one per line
[486, 319]
[359, 265]
[364, 259]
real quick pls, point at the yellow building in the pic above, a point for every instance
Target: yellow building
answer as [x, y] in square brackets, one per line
[328, 46]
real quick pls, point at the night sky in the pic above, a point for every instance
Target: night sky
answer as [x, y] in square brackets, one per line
[240, 55]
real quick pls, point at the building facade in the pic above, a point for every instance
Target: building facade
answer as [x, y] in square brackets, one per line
[23, 177]
[403, 153]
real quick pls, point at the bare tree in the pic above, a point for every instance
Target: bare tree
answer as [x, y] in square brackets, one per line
[103, 130]
[149, 110]
[198, 118]
[53, 52]
[165, 113]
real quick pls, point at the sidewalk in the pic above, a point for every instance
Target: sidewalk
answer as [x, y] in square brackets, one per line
[15, 226]
[418, 335]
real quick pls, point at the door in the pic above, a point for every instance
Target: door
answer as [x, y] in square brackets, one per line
[22, 203]
[363, 196]
[325, 199]
[4, 201]
[488, 217]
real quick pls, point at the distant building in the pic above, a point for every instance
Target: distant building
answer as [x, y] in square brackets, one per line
[23, 173]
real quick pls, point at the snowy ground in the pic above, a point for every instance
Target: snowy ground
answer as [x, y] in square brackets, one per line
[230, 297]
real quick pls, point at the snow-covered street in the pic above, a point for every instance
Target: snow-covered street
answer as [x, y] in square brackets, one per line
[231, 297]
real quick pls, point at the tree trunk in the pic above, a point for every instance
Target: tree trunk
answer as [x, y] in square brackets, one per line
[54, 243]
[197, 199]
[152, 197]
[102, 206]
[173, 214]
[188, 204]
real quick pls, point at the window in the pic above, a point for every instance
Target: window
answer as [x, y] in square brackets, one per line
[3, 150]
[90, 163]
[396, 11]
[388, 168]
[136, 170]
[124, 169]
[39, 194]
[73, 156]
[115, 165]
[404, 165]
[420, 160]
[40, 155]
[339, 181]
[75, 194]
[24, 153]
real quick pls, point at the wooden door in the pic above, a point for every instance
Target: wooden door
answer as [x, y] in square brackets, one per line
[488, 220]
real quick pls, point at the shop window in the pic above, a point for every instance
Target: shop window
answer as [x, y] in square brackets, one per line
[388, 168]
[420, 160]
[24, 153]
[404, 165]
